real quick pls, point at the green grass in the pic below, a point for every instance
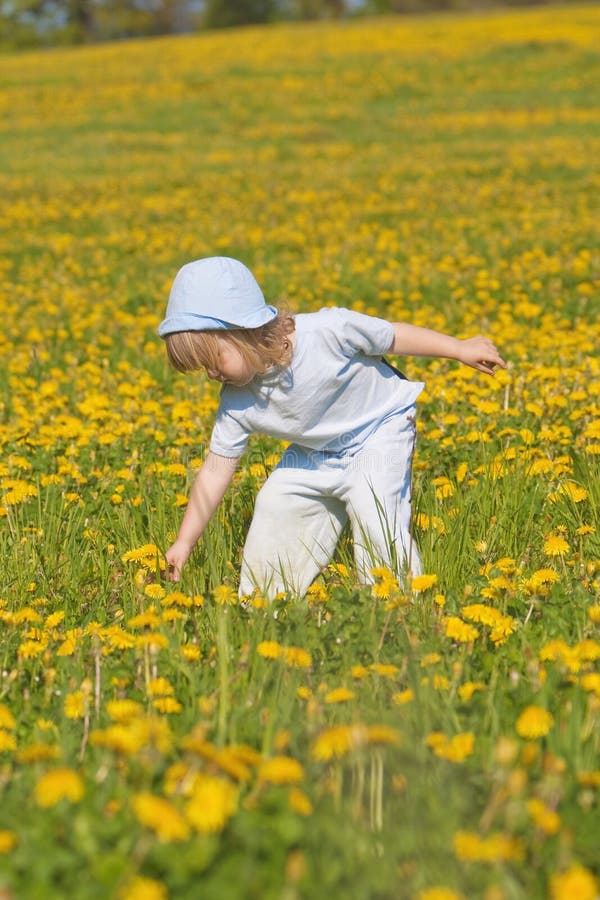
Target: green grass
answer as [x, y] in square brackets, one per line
[436, 170]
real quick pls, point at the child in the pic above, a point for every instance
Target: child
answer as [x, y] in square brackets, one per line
[319, 381]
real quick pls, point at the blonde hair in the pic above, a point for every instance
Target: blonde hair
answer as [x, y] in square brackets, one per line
[263, 347]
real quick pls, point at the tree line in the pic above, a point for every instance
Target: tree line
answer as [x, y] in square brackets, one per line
[30, 23]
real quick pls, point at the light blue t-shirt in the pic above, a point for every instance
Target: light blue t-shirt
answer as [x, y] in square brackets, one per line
[334, 394]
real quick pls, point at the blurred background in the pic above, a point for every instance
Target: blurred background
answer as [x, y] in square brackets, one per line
[31, 23]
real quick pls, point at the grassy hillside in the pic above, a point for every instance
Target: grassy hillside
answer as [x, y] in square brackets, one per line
[431, 741]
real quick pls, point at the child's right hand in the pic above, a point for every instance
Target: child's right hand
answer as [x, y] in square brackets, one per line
[176, 556]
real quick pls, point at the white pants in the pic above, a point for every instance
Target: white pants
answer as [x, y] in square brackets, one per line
[306, 501]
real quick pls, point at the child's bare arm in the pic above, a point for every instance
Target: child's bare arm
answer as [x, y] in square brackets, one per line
[478, 352]
[208, 490]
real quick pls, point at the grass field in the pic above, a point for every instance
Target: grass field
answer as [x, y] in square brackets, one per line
[432, 743]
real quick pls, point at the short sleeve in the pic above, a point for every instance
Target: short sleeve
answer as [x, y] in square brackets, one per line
[359, 333]
[229, 437]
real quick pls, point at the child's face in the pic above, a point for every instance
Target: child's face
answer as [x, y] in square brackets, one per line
[232, 368]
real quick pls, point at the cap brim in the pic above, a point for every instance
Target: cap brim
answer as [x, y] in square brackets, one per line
[191, 322]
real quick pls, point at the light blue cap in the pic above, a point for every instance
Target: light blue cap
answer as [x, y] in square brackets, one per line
[214, 294]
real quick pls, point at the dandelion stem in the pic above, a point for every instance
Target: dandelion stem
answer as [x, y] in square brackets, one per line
[222, 649]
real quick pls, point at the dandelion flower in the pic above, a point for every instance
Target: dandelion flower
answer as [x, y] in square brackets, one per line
[140, 888]
[8, 841]
[225, 595]
[546, 819]
[299, 802]
[57, 785]
[339, 695]
[494, 848]
[160, 816]
[534, 722]
[555, 545]
[422, 583]
[211, 805]
[439, 893]
[269, 649]
[297, 658]
[455, 749]
[280, 770]
[403, 697]
[466, 690]
[575, 882]
[386, 670]
[75, 705]
[460, 631]
[7, 720]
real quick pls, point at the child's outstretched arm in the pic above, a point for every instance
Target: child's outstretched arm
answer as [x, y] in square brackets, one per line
[208, 490]
[478, 352]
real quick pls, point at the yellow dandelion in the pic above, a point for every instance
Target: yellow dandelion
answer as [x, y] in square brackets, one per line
[167, 705]
[31, 649]
[386, 670]
[383, 735]
[575, 883]
[57, 785]
[212, 803]
[422, 583]
[54, 619]
[591, 682]
[8, 841]
[147, 619]
[359, 672]
[297, 658]
[534, 722]
[155, 591]
[454, 749]
[555, 545]
[118, 638]
[466, 690]
[587, 650]
[571, 490]
[339, 695]
[153, 640]
[494, 848]
[541, 578]
[585, 529]
[280, 770]
[479, 612]
[589, 779]
[148, 556]
[39, 752]
[430, 659]
[439, 893]
[269, 649]
[403, 697]
[140, 888]
[7, 741]
[546, 819]
[225, 595]
[190, 652]
[75, 705]
[124, 710]
[337, 741]
[299, 802]
[385, 585]
[460, 631]
[317, 593]
[161, 817]
[159, 687]
[7, 720]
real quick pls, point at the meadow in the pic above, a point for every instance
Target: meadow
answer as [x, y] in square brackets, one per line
[431, 741]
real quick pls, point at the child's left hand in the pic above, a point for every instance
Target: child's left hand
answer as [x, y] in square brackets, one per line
[480, 353]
